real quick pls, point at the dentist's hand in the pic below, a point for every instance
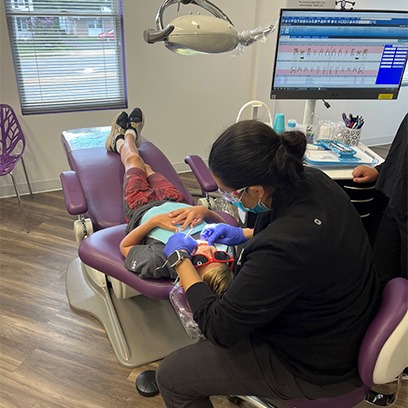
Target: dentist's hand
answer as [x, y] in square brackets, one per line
[223, 234]
[180, 241]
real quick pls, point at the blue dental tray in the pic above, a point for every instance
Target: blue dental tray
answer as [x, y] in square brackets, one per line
[337, 155]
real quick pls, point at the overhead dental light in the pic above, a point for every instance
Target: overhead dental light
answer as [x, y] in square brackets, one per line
[201, 34]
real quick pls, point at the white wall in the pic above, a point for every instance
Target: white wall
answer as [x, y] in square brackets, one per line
[188, 101]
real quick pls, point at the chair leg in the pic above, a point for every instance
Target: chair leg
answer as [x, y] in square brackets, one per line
[26, 176]
[384, 400]
[19, 202]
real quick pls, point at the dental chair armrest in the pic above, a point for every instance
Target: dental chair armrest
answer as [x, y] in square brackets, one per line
[74, 197]
[228, 218]
[201, 173]
[182, 308]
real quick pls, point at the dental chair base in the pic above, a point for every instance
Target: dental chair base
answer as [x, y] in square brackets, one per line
[140, 329]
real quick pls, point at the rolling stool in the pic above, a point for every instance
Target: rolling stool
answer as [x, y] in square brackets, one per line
[146, 384]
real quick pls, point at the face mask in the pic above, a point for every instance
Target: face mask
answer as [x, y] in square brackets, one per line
[259, 208]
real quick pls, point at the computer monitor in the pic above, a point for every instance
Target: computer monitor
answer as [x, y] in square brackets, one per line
[340, 54]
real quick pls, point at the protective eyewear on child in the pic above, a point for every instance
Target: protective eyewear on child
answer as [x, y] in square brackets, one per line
[232, 196]
[217, 257]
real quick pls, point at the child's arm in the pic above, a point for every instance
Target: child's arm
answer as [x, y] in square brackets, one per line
[136, 236]
[192, 216]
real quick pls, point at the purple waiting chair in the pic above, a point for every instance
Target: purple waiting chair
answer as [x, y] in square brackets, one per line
[136, 313]
[11, 150]
[382, 358]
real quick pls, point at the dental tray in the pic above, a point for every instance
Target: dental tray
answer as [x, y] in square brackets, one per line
[321, 156]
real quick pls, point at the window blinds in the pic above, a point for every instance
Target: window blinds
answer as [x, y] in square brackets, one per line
[68, 54]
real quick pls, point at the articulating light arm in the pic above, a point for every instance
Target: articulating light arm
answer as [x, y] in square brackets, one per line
[201, 34]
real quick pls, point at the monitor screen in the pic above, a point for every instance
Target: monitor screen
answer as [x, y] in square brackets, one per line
[336, 54]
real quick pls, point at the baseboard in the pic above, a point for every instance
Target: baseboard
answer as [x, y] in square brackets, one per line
[37, 187]
[181, 167]
[7, 190]
[376, 141]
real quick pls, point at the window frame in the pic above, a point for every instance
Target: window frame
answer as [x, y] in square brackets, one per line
[62, 64]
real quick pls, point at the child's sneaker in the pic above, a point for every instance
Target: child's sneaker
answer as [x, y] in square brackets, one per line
[136, 122]
[117, 132]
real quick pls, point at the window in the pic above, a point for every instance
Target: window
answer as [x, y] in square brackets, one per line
[68, 54]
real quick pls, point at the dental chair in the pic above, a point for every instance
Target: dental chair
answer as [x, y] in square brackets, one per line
[136, 313]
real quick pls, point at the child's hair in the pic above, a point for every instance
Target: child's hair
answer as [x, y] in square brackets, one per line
[218, 278]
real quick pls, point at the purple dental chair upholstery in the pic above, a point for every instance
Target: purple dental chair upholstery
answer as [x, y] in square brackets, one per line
[202, 174]
[90, 162]
[136, 313]
[382, 358]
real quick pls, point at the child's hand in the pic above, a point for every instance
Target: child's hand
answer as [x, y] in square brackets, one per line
[164, 221]
[189, 216]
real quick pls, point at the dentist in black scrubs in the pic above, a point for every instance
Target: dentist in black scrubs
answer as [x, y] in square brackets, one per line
[291, 322]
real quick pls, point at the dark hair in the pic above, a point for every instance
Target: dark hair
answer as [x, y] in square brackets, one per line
[251, 153]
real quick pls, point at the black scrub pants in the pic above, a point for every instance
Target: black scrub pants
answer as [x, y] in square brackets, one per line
[189, 376]
[390, 247]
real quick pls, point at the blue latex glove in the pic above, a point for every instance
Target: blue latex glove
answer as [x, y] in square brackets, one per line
[180, 241]
[223, 234]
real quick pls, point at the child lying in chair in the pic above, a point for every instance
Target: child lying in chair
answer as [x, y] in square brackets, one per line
[153, 208]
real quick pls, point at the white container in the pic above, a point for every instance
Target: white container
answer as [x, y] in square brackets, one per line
[292, 125]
